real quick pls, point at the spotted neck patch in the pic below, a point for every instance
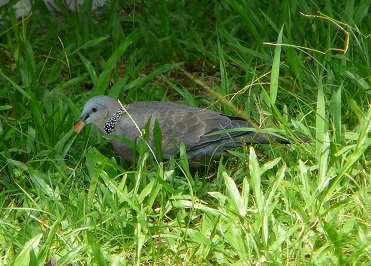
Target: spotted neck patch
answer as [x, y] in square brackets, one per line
[110, 125]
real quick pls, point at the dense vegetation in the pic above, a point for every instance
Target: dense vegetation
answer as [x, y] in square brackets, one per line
[292, 67]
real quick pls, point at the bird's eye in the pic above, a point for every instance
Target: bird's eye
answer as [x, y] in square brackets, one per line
[95, 109]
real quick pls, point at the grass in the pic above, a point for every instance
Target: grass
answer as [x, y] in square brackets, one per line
[70, 199]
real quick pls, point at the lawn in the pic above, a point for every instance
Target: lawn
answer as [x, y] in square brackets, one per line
[295, 68]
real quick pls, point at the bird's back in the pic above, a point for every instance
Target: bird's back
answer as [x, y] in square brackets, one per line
[196, 128]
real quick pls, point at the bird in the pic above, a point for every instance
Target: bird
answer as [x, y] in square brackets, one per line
[205, 133]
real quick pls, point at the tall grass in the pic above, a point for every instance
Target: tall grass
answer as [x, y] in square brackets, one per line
[69, 199]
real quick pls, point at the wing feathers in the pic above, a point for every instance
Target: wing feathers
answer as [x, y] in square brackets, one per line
[189, 125]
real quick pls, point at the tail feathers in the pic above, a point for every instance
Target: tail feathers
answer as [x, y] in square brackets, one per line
[264, 138]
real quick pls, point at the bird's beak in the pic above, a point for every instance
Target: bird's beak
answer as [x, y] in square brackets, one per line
[79, 123]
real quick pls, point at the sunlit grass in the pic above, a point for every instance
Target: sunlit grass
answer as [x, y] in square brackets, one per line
[70, 198]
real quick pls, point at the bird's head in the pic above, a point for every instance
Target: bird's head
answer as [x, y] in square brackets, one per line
[97, 111]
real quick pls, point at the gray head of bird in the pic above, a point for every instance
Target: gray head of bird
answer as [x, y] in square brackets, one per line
[97, 111]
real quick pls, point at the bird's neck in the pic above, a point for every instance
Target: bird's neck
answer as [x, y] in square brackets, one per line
[111, 123]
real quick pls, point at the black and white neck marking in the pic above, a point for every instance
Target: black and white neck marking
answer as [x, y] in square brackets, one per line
[110, 125]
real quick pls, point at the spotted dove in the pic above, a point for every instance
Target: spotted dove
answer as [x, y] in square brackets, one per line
[205, 133]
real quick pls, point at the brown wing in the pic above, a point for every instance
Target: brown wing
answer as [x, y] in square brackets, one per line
[194, 127]
[189, 125]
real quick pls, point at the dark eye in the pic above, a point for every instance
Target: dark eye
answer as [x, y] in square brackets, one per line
[95, 109]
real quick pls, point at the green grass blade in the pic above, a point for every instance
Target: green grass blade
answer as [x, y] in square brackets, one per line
[255, 174]
[321, 124]
[96, 249]
[23, 257]
[336, 103]
[89, 67]
[234, 195]
[273, 87]
[15, 85]
[111, 63]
